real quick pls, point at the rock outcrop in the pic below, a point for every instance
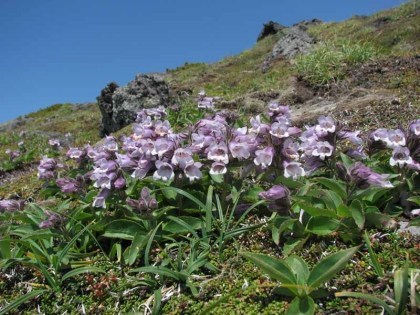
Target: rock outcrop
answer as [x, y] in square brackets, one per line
[270, 28]
[119, 105]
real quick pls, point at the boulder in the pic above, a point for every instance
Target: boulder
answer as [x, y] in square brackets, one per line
[119, 105]
[270, 28]
[295, 41]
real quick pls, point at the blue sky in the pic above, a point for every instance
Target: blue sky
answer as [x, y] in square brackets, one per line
[67, 51]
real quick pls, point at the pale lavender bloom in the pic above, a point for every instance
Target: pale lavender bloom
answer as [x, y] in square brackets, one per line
[414, 166]
[202, 141]
[192, 171]
[323, 149]
[400, 156]
[99, 201]
[76, 153]
[353, 137]
[54, 143]
[364, 177]
[46, 168]
[206, 102]
[68, 185]
[182, 157]
[119, 183]
[142, 132]
[380, 134]
[414, 127]
[312, 163]
[218, 153]
[143, 167]
[12, 154]
[164, 171]
[279, 130]
[278, 198]
[218, 168]
[293, 170]
[125, 162]
[103, 180]
[144, 120]
[357, 154]
[290, 150]
[277, 110]
[157, 112]
[239, 150]
[325, 125]
[162, 146]
[257, 126]
[10, 205]
[147, 146]
[264, 157]
[396, 138]
[162, 128]
[53, 220]
[110, 144]
[145, 203]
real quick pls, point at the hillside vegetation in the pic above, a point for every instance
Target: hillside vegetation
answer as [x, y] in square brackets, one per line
[258, 235]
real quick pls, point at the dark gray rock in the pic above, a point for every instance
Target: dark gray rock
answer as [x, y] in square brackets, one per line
[270, 28]
[303, 25]
[119, 105]
[295, 41]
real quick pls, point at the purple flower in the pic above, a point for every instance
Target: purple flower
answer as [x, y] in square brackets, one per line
[10, 205]
[276, 110]
[239, 150]
[257, 126]
[119, 183]
[46, 168]
[68, 185]
[325, 125]
[218, 168]
[400, 156]
[145, 203]
[110, 144]
[55, 143]
[323, 149]
[192, 171]
[99, 201]
[76, 153]
[218, 153]
[125, 162]
[414, 127]
[396, 138]
[364, 177]
[353, 137]
[290, 150]
[278, 198]
[264, 157]
[164, 171]
[143, 167]
[182, 157]
[293, 170]
[162, 128]
[162, 146]
[53, 220]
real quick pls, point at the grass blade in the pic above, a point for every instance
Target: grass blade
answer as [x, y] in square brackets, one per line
[367, 297]
[20, 300]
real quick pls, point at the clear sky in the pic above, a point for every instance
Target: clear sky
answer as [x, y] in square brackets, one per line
[67, 51]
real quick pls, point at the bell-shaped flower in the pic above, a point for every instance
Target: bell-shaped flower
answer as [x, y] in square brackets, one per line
[218, 168]
[120, 183]
[352, 136]
[162, 146]
[293, 170]
[11, 205]
[192, 171]
[182, 157]
[143, 167]
[46, 168]
[68, 185]
[257, 127]
[125, 162]
[110, 144]
[145, 203]
[239, 150]
[264, 157]
[277, 110]
[396, 138]
[99, 201]
[323, 149]
[364, 177]
[400, 156]
[290, 150]
[278, 198]
[164, 171]
[162, 128]
[218, 153]
[414, 127]
[53, 220]
[325, 125]
[142, 132]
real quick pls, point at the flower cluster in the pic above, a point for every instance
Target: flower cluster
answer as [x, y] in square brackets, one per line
[11, 205]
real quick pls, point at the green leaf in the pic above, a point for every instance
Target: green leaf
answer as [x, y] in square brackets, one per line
[5, 249]
[122, 229]
[217, 178]
[415, 199]
[346, 160]
[157, 303]
[329, 266]
[185, 194]
[343, 211]
[368, 297]
[358, 213]
[288, 182]
[182, 225]
[279, 225]
[300, 270]
[374, 261]
[293, 244]
[275, 268]
[149, 244]
[316, 212]
[322, 225]
[20, 300]
[401, 289]
[78, 271]
[301, 306]
[139, 241]
[334, 185]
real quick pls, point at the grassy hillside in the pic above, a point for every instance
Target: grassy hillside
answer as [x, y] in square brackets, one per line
[192, 252]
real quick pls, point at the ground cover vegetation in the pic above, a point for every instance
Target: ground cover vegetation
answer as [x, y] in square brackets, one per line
[198, 209]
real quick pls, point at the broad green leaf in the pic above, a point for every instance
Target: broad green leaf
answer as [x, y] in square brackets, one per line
[78, 271]
[293, 244]
[322, 225]
[334, 185]
[378, 220]
[401, 289]
[5, 248]
[332, 199]
[20, 300]
[288, 182]
[275, 268]
[279, 225]
[415, 199]
[185, 194]
[139, 241]
[217, 178]
[316, 212]
[343, 211]
[358, 213]
[301, 306]
[123, 229]
[329, 266]
[368, 297]
[300, 270]
[347, 161]
[182, 225]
